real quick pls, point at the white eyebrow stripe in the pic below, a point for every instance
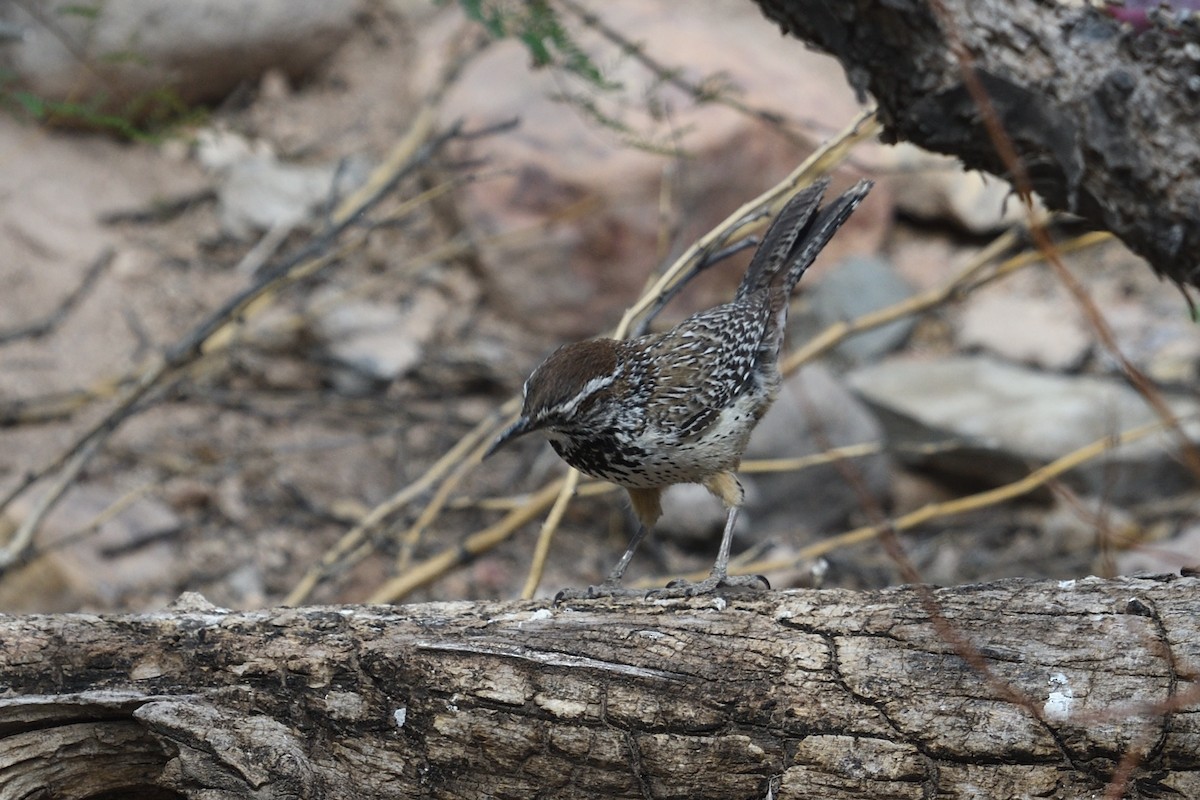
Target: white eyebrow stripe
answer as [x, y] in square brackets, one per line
[589, 389]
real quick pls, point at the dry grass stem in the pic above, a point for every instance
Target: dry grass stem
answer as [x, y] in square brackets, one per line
[964, 283]
[546, 535]
[356, 535]
[436, 503]
[430, 570]
[753, 465]
[749, 216]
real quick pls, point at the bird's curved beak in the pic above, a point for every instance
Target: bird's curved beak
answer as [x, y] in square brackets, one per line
[518, 428]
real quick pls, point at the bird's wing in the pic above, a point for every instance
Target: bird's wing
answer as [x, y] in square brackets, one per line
[703, 363]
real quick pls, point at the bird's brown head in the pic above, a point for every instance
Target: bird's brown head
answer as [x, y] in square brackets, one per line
[567, 391]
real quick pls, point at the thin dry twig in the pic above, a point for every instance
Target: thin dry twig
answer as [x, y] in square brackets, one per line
[434, 507]
[104, 516]
[749, 217]
[542, 551]
[46, 325]
[16, 547]
[474, 545]
[469, 443]
[967, 281]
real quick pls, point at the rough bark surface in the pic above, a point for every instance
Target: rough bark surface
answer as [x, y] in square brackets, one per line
[805, 694]
[1105, 118]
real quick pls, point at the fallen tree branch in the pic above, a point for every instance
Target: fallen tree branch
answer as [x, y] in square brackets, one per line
[831, 694]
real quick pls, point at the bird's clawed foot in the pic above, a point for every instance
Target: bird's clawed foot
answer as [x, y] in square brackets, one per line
[607, 589]
[712, 583]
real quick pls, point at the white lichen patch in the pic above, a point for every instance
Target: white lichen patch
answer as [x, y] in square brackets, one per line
[1061, 698]
[561, 707]
[647, 633]
[522, 617]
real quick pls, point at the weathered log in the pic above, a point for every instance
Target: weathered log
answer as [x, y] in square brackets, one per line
[1103, 116]
[802, 694]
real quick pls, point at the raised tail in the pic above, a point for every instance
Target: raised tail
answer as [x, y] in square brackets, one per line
[799, 232]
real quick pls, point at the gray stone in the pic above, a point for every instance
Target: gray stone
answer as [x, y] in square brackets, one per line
[376, 343]
[127, 51]
[1033, 330]
[1003, 420]
[934, 187]
[261, 194]
[861, 284]
[694, 518]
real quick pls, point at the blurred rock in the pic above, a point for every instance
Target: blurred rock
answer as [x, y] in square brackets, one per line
[216, 148]
[375, 343]
[1177, 361]
[1166, 556]
[260, 194]
[1153, 328]
[231, 499]
[566, 166]
[857, 286]
[245, 584]
[1007, 419]
[256, 192]
[127, 554]
[1032, 330]
[814, 411]
[1087, 525]
[139, 59]
[695, 519]
[934, 187]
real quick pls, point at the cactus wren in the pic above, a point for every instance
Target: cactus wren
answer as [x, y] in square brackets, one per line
[679, 406]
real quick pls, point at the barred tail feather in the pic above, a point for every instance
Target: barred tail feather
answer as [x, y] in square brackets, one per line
[776, 248]
[798, 234]
[822, 229]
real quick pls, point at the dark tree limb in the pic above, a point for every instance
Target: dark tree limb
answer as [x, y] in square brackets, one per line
[821, 694]
[1104, 118]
